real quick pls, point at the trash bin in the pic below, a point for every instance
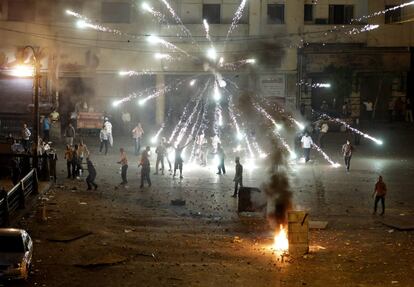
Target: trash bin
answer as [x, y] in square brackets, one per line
[298, 232]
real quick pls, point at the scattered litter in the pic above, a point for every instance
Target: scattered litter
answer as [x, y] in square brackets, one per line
[237, 239]
[105, 260]
[391, 231]
[69, 236]
[178, 202]
[127, 230]
[83, 203]
[394, 282]
[318, 224]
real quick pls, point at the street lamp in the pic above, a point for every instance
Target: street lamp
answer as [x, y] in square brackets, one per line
[22, 71]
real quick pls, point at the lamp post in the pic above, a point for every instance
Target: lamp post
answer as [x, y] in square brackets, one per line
[36, 103]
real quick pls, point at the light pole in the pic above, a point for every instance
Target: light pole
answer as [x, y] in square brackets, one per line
[36, 103]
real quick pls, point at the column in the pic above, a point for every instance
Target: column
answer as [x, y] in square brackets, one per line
[160, 100]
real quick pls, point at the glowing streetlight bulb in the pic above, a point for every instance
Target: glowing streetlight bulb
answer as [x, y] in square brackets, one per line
[212, 53]
[22, 71]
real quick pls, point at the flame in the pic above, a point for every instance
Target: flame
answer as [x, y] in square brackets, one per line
[281, 243]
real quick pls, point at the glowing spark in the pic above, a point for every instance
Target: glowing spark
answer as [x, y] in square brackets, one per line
[162, 56]
[192, 82]
[325, 156]
[281, 242]
[250, 61]
[216, 93]
[366, 28]
[145, 6]
[135, 73]
[212, 53]
[379, 13]
[314, 85]
[155, 138]
[236, 18]
[85, 22]
[367, 136]
[157, 40]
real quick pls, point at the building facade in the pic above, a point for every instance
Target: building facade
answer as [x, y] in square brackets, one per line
[296, 43]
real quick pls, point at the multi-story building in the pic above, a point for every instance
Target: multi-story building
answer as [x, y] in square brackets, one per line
[296, 43]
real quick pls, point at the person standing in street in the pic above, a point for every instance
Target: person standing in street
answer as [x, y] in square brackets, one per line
[90, 179]
[70, 134]
[221, 156]
[46, 129]
[145, 167]
[238, 177]
[322, 134]
[108, 129]
[369, 108]
[178, 163]
[347, 150]
[103, 137]
[306, 145]
[137, 134]
[380, 191]
[124, 166]
[69, 160]
[160, 151]
[26, 134]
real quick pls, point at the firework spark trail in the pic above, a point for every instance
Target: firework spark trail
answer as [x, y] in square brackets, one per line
[185, 125]
[161, 17]
[328, 159]
[275, 131]
[366, 28]
[249, 147]
[379, 13]
[191, 134]
[85, 22]
[377, 141]
[313, 85]
[236, 65]
[207, 28]
[157, 40]
[258, 149]
[201, 128]
[233, 116]
[178, 20]
[236, 18]
[155, 137]
[132, 73]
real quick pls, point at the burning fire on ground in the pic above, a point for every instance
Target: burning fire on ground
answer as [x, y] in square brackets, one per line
[281, 242]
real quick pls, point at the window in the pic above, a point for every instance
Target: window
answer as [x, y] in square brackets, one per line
[211, 12]
[116, 12]
[308, 13]
[21, 10]
[275, 14]
[341, 14]
[393, 16]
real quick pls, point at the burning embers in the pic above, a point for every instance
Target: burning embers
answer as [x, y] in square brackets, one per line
[281, 243]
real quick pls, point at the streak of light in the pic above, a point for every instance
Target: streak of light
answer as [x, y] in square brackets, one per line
[157, 40]
[325, 156]
[236, 17]
[154, 139]
[379, 13]
[131, 73]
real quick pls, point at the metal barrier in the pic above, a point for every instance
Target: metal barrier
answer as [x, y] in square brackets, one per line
[16, 198]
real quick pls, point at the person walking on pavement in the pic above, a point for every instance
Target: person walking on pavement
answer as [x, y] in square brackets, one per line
[160, 151]
[238, 177]
[137, 134]
[221, 156]
[103, 137]
[124, 166]
[26, 137]
[90, 179]
[380, 191]
[145, 167]
[46, 129]
[306, 145]
[347, 150]
[408, 111]
[70, 134]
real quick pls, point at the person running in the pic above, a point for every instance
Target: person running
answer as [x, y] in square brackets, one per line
[124, 166]
[160, 151]
[69, 160]
[238, 177]
[221, 156]
[103, 137]
[178, 163]
[90, 179]
[306, 145]
[347, 150]
[137, 134]
[145, 167]
[380, 191]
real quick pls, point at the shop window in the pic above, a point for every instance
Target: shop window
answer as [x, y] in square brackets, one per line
[341, 14]
[308, 13]
[211, 12]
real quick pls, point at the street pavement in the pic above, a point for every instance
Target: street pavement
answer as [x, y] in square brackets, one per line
[151, 242]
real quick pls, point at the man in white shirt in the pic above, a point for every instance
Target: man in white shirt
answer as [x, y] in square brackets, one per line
[306, 145]
[108, 129]
[137, 133]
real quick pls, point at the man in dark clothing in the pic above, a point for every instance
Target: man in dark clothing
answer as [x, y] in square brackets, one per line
[357, 136]
[145, 167]
[90, 179]
[160, 151]
[124, 166]
[220, 153]
[347, 150]
[238, 177]
[178, 163]
[52, 164]
[380, 191]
